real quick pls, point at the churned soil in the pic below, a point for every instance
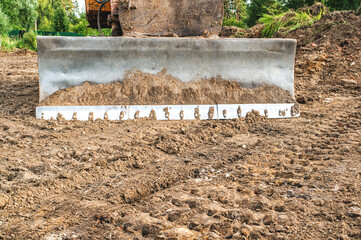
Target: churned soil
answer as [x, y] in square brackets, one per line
[141, 179]
[140, 88]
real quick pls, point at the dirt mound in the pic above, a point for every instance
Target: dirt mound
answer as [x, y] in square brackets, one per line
[328, 60]
[162, 89]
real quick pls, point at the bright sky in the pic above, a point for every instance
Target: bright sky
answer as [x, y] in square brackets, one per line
[81, 4]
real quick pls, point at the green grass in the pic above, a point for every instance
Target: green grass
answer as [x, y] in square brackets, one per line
[7, 43]
[287, 21]
[234, 22]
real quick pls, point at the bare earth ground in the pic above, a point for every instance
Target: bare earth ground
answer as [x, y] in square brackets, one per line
[243, 179]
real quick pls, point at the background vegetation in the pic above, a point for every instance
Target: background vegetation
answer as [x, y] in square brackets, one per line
[64, 16]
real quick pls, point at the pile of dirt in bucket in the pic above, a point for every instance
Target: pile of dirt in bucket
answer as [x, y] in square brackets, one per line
[162, 89]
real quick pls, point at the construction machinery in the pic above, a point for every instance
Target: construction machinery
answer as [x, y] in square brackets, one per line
[165, 61]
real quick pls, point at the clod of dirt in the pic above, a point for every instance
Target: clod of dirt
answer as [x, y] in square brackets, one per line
[301, 100]
[162, 89]
[253, 117]
[354, 212]
[3, 201]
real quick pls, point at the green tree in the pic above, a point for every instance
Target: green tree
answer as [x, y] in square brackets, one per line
[4, 23]
[60, 20]
[45, 25]
[46, 14]
[235, 13]
[342, 4]
[21, 13]
[46, 9]
[257, 8]
[82, 26]
[296, 4]
[28, 14]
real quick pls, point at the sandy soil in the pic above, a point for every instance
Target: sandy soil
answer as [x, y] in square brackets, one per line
[242, 179]
[162, 89]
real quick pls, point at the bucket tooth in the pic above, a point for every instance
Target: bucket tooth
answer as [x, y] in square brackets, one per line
[91, 116]
[181, 114]
[153, 115]
[60, 117]
[166, 112]
[239, 112]
[211, 113]
[295, 109]
[136, 115]
[224, 112]
[75, 116]
[197, 115]
[121, 115]
[106, 117]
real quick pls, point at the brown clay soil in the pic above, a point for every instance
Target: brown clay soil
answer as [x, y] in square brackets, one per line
[242, 179]
[162, 89]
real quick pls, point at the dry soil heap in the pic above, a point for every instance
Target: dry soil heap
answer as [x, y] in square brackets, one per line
[162, 89]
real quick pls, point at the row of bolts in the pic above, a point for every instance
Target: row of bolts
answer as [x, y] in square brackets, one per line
[152, 114]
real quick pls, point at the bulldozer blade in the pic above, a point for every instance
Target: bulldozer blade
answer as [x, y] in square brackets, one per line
[68, 61]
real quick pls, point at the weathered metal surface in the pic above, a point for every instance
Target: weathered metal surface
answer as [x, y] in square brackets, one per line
[160, 17]
[70, 61]
[164, 112]
[92, 8]
[167, 17]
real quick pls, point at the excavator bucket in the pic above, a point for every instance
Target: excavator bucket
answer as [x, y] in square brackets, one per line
[165, 78]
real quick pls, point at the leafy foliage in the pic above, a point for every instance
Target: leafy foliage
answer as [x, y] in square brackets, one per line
[342, 4]
[4, 23]
[258, 8]
[296, 4]
[29, 41]
[60, 20]
[288, 21]
[45, 25]
[8, 43]
[235, 13]
[21, 13]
